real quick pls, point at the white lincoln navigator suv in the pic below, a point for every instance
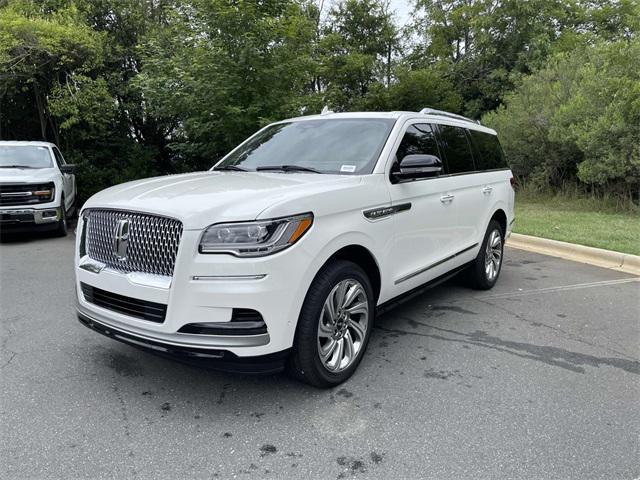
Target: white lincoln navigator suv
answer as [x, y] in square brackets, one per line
[281, 254]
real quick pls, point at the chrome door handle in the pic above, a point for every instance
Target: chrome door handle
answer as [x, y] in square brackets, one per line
[487, 190]
[447, 198]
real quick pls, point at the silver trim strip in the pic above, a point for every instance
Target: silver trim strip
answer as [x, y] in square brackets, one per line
[221, 341]
[440, 262]
[207, 278]
[139, 278]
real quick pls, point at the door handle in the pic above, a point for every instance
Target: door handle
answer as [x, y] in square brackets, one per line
[447, 198]
[487, 190]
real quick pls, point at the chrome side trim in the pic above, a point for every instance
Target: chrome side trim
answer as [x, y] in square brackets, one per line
[213, 278]
[433, 265]
[382, 212]
[213, 341]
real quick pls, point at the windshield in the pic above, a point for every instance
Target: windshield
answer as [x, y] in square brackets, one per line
[24, 156]
[340, 146]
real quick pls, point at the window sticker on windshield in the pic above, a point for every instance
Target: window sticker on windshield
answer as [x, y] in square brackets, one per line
[348, 168]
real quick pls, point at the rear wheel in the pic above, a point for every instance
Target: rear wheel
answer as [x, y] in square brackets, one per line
[334, 325]
[484, 272]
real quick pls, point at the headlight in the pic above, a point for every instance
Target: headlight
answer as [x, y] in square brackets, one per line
[45, 193]
[255, 239]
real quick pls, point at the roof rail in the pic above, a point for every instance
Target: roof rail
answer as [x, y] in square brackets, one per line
[442, 113]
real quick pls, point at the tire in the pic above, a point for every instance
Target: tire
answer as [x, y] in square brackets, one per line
[483, 275]
[62, 228]
[340, 338]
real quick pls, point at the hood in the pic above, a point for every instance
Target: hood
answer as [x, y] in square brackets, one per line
[27, 175]
[202, 198]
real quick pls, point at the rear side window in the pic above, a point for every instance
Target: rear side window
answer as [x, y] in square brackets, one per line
[490, 153]
[419, 139]
[457, 149]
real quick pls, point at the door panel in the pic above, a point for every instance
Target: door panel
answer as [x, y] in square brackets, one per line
[68, 181]
[467, 189]
[423, 234]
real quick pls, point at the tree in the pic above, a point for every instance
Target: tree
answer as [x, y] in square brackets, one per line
[38, 53]
[578, 118]
[225, 69]
[357, 49]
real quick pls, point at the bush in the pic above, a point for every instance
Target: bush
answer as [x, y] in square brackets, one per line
[577, 119]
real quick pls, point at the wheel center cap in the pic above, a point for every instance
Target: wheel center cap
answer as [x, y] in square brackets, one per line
[341, 324]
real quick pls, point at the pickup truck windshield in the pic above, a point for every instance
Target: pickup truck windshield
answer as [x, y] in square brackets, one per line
[337, 146]
[24, 156]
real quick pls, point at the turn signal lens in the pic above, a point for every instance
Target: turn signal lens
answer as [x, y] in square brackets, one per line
[255, 239]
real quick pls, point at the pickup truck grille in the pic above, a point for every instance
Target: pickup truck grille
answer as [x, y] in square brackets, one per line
[133, 241]
[25, 193]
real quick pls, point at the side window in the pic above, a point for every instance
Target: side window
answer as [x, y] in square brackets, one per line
[59, 159]
[489, 150]
[418, 139]
[457, 149]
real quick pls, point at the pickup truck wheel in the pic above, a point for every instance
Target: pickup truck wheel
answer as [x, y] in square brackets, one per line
[484, 272]
[334, 325]
[62, 229]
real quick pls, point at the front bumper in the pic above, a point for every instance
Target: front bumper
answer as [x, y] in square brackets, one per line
[205, 289]
[218, 359]
[29, 218]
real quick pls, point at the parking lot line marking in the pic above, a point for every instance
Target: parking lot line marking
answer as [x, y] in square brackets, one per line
[561, 288]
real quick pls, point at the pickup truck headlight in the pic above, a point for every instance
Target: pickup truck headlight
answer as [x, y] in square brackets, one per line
[255, 239]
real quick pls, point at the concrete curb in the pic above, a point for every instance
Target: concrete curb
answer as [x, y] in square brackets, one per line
[624, 262]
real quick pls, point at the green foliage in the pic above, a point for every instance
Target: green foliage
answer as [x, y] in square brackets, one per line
[578, 117]
[132, 88]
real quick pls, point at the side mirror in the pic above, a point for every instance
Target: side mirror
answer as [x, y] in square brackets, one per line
[412, 167]
[68, 168]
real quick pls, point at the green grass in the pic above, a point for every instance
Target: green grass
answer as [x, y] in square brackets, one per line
[582, 220]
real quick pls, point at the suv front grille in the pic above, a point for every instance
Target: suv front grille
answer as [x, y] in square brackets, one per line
[151, 245]
[133, 307]
[25, 194]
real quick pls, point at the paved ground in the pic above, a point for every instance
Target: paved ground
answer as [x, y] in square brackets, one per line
[537, 379]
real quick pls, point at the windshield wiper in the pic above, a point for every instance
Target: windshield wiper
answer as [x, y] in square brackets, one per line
[15, 166]
[232, 168]
[287, 168]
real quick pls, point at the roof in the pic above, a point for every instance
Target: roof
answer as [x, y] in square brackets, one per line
[435, 117]
[16, 143]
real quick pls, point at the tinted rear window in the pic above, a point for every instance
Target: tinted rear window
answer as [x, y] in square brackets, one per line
[456, 149]
[490, 153]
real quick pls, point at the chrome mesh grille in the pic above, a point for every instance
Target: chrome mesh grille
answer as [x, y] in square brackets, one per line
[153, 241]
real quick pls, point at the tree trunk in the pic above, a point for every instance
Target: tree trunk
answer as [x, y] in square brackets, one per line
[41, 112]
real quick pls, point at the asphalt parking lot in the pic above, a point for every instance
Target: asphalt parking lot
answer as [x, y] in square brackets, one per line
[536, 379]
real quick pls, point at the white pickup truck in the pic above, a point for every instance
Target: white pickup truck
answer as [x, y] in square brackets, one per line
[37, 187]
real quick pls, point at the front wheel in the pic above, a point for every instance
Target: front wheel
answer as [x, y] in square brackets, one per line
[62, 228]
[484, 272]
[334, 325]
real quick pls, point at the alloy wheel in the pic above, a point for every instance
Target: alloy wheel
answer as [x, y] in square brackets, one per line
[343, 324]
[493, 255]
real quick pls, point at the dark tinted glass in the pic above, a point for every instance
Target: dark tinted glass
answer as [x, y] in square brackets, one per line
[330, 146]
[418, 139]
[489, 150]
[59, 160]
[457, 149]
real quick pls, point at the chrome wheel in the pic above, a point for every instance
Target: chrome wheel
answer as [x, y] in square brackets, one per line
[343, 325]
[493, 255]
